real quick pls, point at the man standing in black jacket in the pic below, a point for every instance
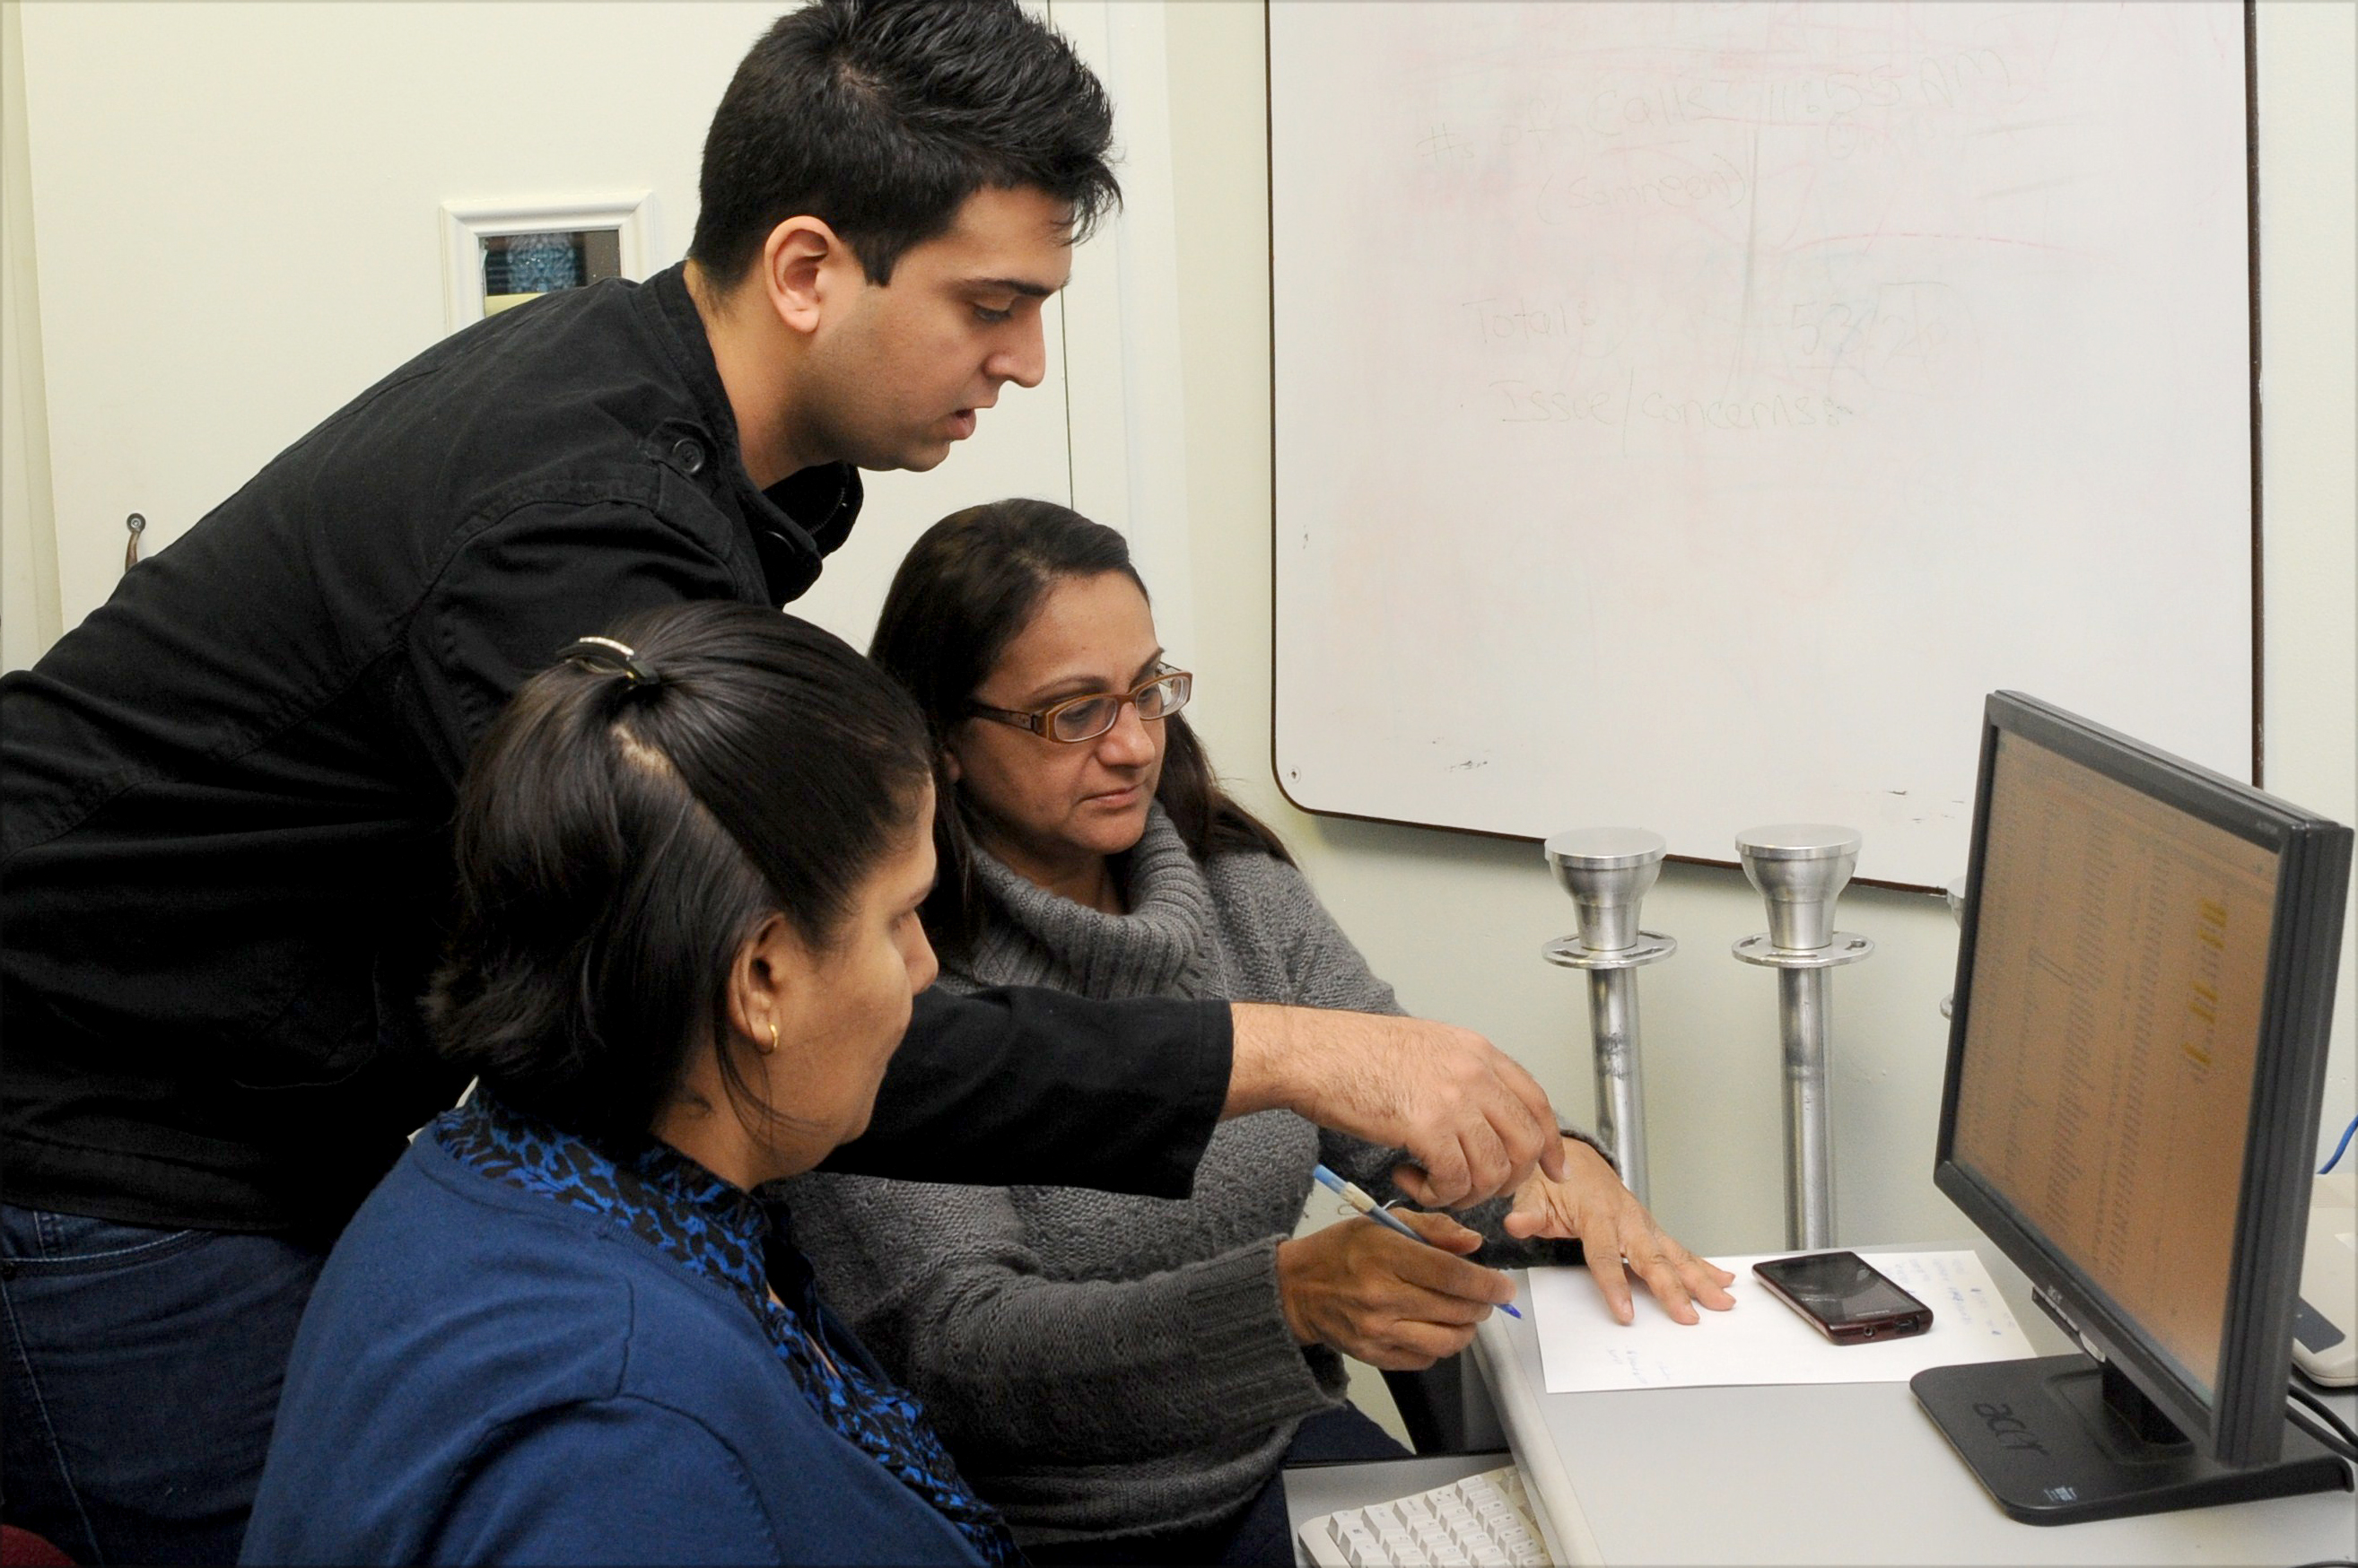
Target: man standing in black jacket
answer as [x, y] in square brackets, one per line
[223, 844]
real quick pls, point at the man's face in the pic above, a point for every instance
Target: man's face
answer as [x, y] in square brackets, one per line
[903, 369]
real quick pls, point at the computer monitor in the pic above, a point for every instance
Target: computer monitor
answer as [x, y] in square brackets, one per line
[2135, 1057]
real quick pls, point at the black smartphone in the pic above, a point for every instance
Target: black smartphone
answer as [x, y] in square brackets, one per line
[1842, 1295]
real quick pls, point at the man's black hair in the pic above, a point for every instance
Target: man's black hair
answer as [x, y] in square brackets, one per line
[881, 117]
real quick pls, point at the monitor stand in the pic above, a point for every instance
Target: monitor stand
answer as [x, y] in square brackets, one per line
[2059, 1439]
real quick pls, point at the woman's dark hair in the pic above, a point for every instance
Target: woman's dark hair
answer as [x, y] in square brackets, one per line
[881, 117]
[966, 589]
[630, 820]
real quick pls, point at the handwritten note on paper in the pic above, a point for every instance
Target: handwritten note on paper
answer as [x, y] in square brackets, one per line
[1762, 1340]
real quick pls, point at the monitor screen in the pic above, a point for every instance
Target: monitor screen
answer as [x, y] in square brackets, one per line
[2117, 976]
[2137, 1055]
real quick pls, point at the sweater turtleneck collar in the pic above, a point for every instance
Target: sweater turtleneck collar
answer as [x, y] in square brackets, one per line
[1162, 947]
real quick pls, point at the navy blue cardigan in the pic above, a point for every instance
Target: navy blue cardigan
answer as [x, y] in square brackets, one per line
[486, 1374]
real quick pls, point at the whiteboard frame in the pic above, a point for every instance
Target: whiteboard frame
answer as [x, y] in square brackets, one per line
[2252, 300]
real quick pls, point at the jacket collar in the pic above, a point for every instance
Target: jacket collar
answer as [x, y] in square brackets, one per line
[796, 522]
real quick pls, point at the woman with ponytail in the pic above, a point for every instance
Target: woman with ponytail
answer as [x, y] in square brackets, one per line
[567, 1328]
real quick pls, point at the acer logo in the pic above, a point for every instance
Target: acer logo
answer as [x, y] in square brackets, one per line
[2010, 1429]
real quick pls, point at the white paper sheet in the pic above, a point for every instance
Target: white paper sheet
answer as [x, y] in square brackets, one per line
[1762, 1340]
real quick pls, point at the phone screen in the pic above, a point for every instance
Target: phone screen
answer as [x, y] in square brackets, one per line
[1838, 1286]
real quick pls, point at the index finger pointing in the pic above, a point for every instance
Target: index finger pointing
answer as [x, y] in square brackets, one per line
[1541, 1130]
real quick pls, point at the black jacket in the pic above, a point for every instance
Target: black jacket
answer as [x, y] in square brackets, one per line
[225, 797]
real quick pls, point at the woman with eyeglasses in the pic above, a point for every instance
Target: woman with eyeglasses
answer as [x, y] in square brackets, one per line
[1122, 1377]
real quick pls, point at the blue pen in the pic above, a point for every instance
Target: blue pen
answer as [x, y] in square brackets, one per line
[1351, 1194]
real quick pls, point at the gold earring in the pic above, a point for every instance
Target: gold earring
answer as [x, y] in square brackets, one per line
[773, 1039]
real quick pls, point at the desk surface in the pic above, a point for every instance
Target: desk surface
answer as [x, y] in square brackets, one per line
[1838, 1473]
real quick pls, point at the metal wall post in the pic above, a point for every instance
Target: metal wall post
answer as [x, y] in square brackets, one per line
[1608, 872]
[1801, 868]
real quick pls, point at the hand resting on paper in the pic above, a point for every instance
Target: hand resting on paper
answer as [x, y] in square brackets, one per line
[1592, 1205]
[1375, 1295]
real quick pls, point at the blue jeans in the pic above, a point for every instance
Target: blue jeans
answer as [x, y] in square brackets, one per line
[140, 1381]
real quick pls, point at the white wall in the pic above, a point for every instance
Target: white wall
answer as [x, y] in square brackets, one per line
[236, 221]
[1106, 432]
[2309, 147]
[30, 620]
[1455, 921]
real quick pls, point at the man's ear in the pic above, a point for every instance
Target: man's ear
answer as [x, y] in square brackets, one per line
[951, 769]
[804, 264]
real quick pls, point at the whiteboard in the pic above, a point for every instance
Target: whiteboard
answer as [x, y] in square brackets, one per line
[1685, 413]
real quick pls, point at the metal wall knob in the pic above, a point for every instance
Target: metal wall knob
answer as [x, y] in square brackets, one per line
[1801, 868]
[1956, 895]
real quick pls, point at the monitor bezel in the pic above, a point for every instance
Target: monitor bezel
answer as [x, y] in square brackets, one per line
[2242, 1422]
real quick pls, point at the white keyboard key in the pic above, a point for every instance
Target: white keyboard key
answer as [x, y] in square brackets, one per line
[1482, 1521]
[1323, 1549]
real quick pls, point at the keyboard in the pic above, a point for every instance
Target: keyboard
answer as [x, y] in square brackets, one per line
[1482, 1521]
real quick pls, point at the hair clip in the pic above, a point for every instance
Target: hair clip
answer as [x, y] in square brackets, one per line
[599, 654]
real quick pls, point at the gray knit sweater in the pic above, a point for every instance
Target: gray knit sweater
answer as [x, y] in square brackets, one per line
[1104, 1365]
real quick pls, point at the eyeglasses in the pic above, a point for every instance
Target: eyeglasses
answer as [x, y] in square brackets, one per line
[1085, 718]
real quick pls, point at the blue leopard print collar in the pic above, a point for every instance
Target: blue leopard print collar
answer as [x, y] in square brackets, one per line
[712, 1229]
